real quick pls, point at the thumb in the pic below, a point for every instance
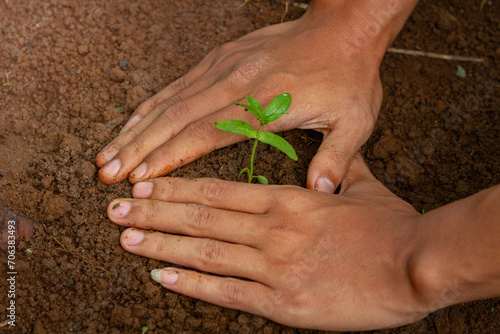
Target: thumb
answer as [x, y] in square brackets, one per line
[330, 164]
[358, 173]
[359, 181]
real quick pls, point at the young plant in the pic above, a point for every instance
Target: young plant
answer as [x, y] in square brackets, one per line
[277, 108]
[8, 82]
[481, 6]
[243, 4]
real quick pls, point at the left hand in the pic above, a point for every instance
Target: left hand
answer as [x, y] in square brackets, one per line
[295, 256]
[322, 59]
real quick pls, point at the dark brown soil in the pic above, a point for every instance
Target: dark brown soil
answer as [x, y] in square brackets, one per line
[437, 140]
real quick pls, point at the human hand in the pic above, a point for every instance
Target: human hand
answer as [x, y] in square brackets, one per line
[295, 256]
[335, 88]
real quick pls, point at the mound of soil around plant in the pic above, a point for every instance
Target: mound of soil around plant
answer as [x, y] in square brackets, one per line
[77, 70]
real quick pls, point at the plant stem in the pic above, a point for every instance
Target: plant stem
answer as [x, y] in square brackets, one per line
[250, 175]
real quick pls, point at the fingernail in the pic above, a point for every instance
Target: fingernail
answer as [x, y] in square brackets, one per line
[142, 189]
[324, 185]
[109, 153]
[112, 152]
[140, 171]
[134, 238]
[120, 209]
[163, 276]
[112, 167]
[131, 122]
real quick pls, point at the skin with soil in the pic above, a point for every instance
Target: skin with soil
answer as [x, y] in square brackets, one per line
[73, 63]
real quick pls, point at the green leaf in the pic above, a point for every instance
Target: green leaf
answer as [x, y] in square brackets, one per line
[239, 127]
[261, 179]
[244, 170]
[483, 2]
[121, 110]
[278, 142]
[278, 106]
[254, 107]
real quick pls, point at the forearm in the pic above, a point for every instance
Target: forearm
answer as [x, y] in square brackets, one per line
[459, 258]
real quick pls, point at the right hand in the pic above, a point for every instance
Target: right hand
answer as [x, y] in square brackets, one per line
[298, 257]
[335, 90]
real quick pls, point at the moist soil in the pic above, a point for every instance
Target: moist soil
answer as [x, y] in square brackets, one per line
[79, 68]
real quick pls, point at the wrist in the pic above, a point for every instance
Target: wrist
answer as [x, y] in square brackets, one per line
[458, 259]
[367, 26]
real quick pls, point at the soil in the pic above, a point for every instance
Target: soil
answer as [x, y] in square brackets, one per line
[72, 64]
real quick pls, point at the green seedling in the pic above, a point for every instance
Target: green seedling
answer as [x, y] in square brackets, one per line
[121, 110]
[144, 329]
[277, 108]
[243, 3]
[483, 2]
[8, 82]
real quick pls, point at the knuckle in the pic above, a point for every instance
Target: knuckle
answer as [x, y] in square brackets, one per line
[152, 210]
[201, 130]
[232, 294]
[198, 284]
[161, 244]
[244, 74]
[290, 194]
[147, 106]
[229, 62]
[178, 85]
[133, 132]
[201, 218]
[213, 190]
[137, 145]
[210, 252]
[340, 157]
[176, 113]
[165, 104]
[143, 108]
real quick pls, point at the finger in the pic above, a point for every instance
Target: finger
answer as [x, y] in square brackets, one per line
[360, 181]
[164, 128]
[223, 291]
[187, 219]
[329, 166]
[199, 253]
[176, 87]
[194, 141]
[358, 171]
[141, 120]
[197, 80]
[215, 193]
